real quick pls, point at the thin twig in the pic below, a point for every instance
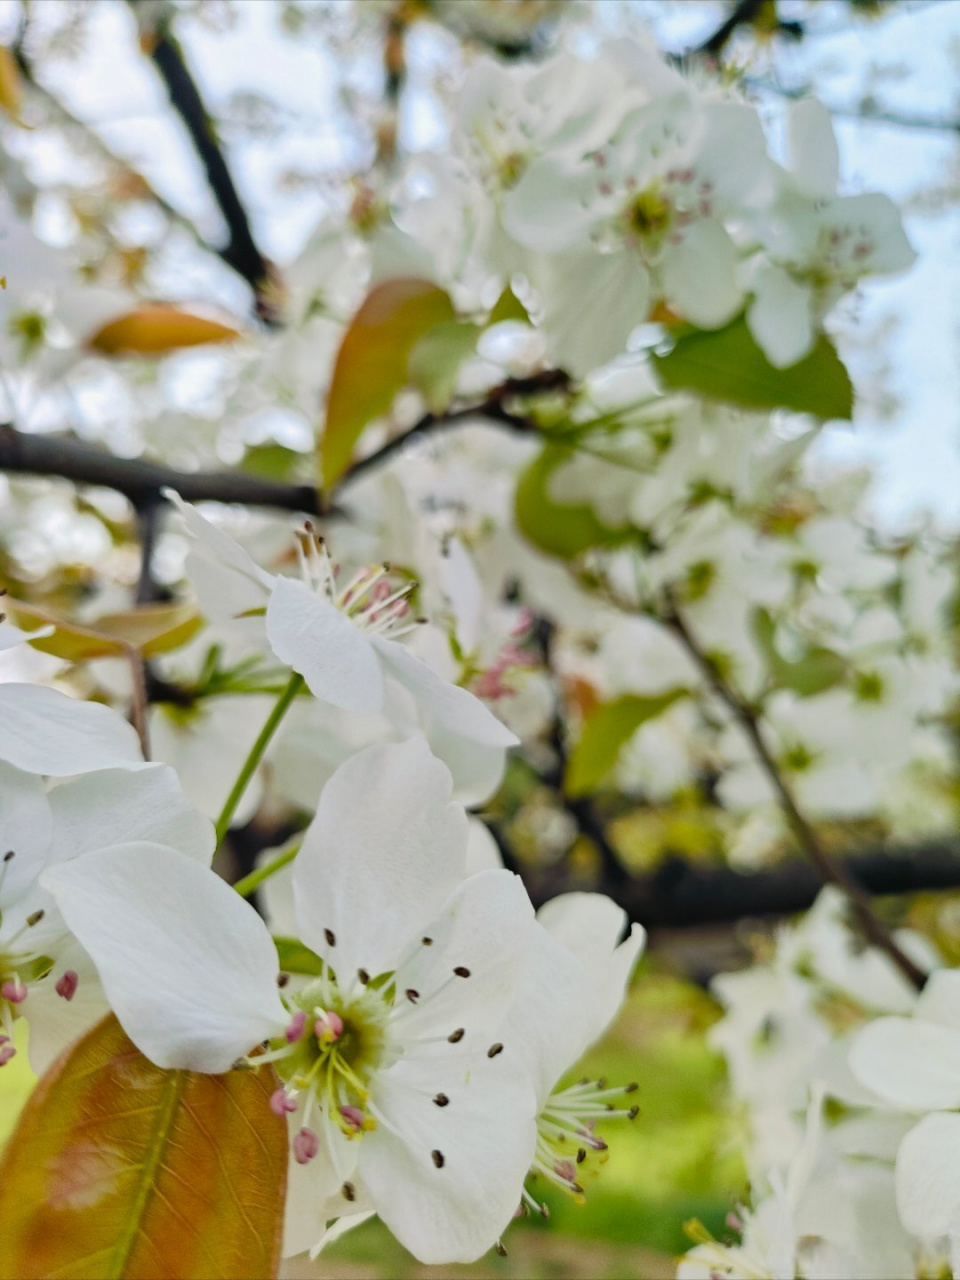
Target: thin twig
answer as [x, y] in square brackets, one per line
[139, 702]
[831, 871]
[241, 252]
[149, 516]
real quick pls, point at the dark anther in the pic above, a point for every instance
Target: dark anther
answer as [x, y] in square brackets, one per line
[349, 1191]
[494, 1050]
[35, 918]
[437, 1158]
[442, 1100]
[8, 855]
[633, 1113]
[331, 937]
[632, 1088]
[456, 1036]
[282, 979]
[412, 996]
[427, 942]
[581, 1155]
[363, 976]
[461, 971]
[501, 1251]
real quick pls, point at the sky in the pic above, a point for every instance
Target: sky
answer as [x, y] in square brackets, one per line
[909, 61]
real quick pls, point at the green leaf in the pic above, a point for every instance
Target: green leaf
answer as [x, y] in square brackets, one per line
[271, 462]
[817, 670]
[606, 731]
[372, 363]
[436, 359]
[508, 307]
[559, 529]
[296, 958]
[726, 364]
[120, 1170]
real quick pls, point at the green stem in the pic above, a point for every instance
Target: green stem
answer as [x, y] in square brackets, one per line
[249, 884]
[294, 686]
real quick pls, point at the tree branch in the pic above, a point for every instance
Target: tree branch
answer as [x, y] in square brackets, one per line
[745, 13]
[241, 251]
[862, 111]
[684, 895]
[830, 871]
[142, 482]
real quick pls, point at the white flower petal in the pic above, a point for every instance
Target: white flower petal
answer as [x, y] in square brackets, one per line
[486, 1138]
[10, 636]
[698, 275]
[227, 579]
[44, 731]
[487, 928]
[928, 1176]
[780, 317]
[548, 208]
[188, 967]
[939, 1001]
[441, 703]
[477, 769]
[312, 1186]
[483, 852]
[378, 861]
[313, 637]
[114, 806]
[55, 1022]
[814, 154]
[590, 926]
[913, 1064]
[26, 827]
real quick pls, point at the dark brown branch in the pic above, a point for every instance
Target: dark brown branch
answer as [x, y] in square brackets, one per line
[683, 895]
[860, 111]
[241, 251]
[745, 13]
[141, 481]
[830, 871]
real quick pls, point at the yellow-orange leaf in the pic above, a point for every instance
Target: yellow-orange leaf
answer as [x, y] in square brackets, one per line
[120, 1171]
[154, 329]
[372, 363]
[11, 83]
[150, 628]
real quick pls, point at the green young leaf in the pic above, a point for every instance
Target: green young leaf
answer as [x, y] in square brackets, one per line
[726, 364]
[508, 307]
[122, 1171]
[815, 671]
[606, 731]
[372, 364]
[557, 528]
[436, 359]
[297, 958]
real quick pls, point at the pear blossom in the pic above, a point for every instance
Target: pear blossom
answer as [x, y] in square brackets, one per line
[343, 639]
[402, 1091]
[913, 1064]
[573, 989]
[45, 976]
[818, 244]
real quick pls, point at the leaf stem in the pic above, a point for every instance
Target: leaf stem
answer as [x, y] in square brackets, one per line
[250, 883]
[832, 872]
[294, 685]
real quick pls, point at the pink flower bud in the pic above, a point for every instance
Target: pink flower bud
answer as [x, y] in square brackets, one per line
[14, 990]
[6, 1053]
[329, 1026]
